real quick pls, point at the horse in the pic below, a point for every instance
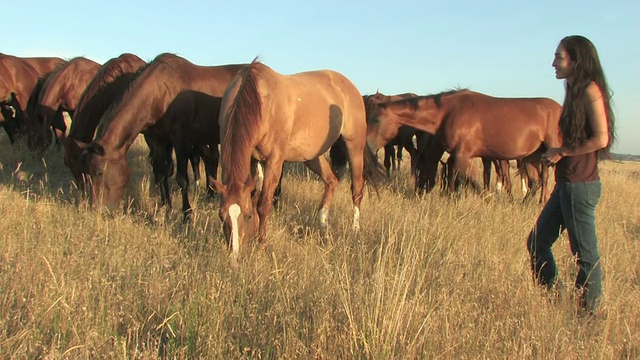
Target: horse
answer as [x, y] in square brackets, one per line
[17, 81]
[165, 98]
[404, 139]
[44, 65]
[106, 88]
[60, 92]
[273, 118]
[468, 124]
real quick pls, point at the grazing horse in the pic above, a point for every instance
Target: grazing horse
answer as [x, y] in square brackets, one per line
[44, 65]
[17, 81]
[171, 101]
[404, 139]
[468, 124]
[60, 92]
[106, 88]
[273, 118]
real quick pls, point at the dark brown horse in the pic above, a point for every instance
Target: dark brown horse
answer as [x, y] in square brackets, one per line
[171, 101]
[468, 124]
[17, 81]
[60, 92]
[273, 118]
[106, 88]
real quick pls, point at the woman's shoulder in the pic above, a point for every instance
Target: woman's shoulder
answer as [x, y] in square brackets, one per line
[593, 92]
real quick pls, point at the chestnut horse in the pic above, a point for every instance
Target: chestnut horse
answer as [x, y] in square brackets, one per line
[468, 124]
[106, 88]
[404, 139]
[171, 101]
[60, 92]
[44, 65]
[273, 118]
[17, 81]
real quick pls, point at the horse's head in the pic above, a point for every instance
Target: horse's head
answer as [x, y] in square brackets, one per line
[108, 178]
[238, 212]
[381, 127]
[73, 150]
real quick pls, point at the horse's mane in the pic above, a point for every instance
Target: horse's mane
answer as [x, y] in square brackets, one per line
[243, 116]
[34, 98]
[126, 90]
[413, 102]
[106, 88]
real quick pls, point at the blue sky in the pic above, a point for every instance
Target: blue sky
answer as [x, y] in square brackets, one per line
[501, 48]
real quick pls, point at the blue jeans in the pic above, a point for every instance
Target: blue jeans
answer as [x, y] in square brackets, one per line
[571, 206]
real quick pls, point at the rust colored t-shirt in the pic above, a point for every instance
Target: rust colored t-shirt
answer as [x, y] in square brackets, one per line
[579, 168]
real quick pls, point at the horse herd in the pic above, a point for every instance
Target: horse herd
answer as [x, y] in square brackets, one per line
[249, 114]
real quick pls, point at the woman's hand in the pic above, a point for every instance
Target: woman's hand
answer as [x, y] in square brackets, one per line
[552, 156]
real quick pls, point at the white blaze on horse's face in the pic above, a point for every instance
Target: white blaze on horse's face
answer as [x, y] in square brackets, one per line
[234, 213]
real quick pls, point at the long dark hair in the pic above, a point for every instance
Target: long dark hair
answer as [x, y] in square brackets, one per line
[587, 69]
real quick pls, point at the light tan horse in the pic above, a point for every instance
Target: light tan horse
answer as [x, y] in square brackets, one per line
[273, 118]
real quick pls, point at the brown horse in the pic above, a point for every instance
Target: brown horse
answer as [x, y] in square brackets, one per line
[404, 139]
[106, 88]
[273, 118]
[17, 81]
[468, 124]
[44, 65]
[171, 101]
[60, 92]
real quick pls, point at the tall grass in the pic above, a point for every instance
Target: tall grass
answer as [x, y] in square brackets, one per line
[431, 277]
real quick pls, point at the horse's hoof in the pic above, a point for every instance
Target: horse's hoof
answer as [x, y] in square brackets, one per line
[187, 218]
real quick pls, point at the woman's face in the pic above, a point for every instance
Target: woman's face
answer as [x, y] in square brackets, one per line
[563, 64]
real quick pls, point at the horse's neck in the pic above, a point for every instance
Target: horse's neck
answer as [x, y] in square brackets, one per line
[53, 95]
[426, 118]
[142, 108]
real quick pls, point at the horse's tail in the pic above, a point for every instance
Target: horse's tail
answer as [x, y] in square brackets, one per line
[374, 172]
[339, 157]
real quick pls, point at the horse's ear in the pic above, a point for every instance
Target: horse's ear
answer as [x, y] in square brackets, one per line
[81, 145]
[217, 186]
[96, 149]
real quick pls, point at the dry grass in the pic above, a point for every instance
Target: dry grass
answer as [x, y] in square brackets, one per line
[432, 277]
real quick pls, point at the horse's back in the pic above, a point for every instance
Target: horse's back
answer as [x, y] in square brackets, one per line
[500, 127]
[18, 77]
[327, 102]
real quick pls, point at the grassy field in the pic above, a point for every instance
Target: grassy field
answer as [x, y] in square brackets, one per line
[432, 277]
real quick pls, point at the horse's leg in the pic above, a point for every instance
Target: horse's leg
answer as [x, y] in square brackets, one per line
[211, 156]
[194, 158]
[429, 153]
[183, 154]
[486, 173]
[505, 175]
[413, 154]
[162, 165]
[388, 158]
[272, 172]
[398, 156]
[461, 172]
[321, 166]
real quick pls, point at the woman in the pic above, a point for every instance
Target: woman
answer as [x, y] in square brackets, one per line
[587, 128]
